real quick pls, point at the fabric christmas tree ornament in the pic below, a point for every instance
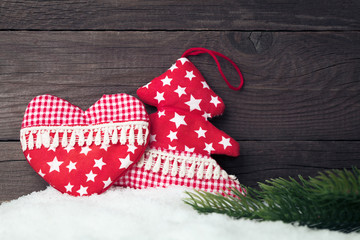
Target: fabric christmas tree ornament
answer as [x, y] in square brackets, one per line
[181, 137]
[84, 152]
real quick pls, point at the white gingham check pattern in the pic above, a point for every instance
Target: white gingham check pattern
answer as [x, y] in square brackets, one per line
[48, 110]
[138, 177]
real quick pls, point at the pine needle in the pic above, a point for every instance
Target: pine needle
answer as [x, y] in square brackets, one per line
[330, 200]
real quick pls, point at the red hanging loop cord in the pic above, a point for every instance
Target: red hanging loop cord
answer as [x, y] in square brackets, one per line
[213, 54]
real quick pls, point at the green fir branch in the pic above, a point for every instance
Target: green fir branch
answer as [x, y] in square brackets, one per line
[330, 200]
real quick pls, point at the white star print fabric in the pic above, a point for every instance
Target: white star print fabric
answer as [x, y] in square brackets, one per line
[185, 102]
[83, 152]
[181, 137]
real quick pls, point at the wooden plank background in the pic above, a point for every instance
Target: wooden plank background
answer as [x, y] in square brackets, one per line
[216, 15]
[298, 113]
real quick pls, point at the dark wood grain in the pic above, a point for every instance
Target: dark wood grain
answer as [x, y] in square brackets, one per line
[262, 160]
[17, 178]
[180, 15]
[299, 86]
[259, 160]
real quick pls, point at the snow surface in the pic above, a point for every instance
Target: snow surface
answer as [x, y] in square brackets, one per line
[135, 214]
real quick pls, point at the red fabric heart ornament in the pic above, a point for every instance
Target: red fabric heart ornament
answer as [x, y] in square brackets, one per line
[83, 152]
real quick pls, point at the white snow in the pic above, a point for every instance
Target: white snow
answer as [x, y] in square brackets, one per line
[135, 214]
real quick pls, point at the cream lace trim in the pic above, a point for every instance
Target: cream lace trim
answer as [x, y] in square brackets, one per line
[123, 132]
[167, 163]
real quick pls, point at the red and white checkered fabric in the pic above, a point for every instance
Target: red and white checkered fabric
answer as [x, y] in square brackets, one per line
[140, 178]
[48, 110]
[145, 179]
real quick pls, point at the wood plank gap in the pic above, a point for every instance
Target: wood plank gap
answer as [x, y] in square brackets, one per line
[179, 30]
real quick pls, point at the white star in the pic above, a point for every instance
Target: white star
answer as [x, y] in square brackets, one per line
[104, 146]
[166, 81]
[125, 162]
[209, 147]
[190, 75]
[201, 132]
[183, 60]
[206, 115]
[54, 165]
[187, 149]
[99, 163]
[85, 150]
[215, 100]
[71, 166]
[161, 113]
[69, 187]
[82, 190]
[90, 176]
[225, 142]
[171, 147]
[193, 103]
[152, 138]
[41, 173]
[159, 97]
[131, 148]
[205, 85]
[107, 182]
[52, 148]
[147, 85]
[178, 120]
[180, 91]
[69, 148]
[172, 136]
[28, 157]
[173, 67]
